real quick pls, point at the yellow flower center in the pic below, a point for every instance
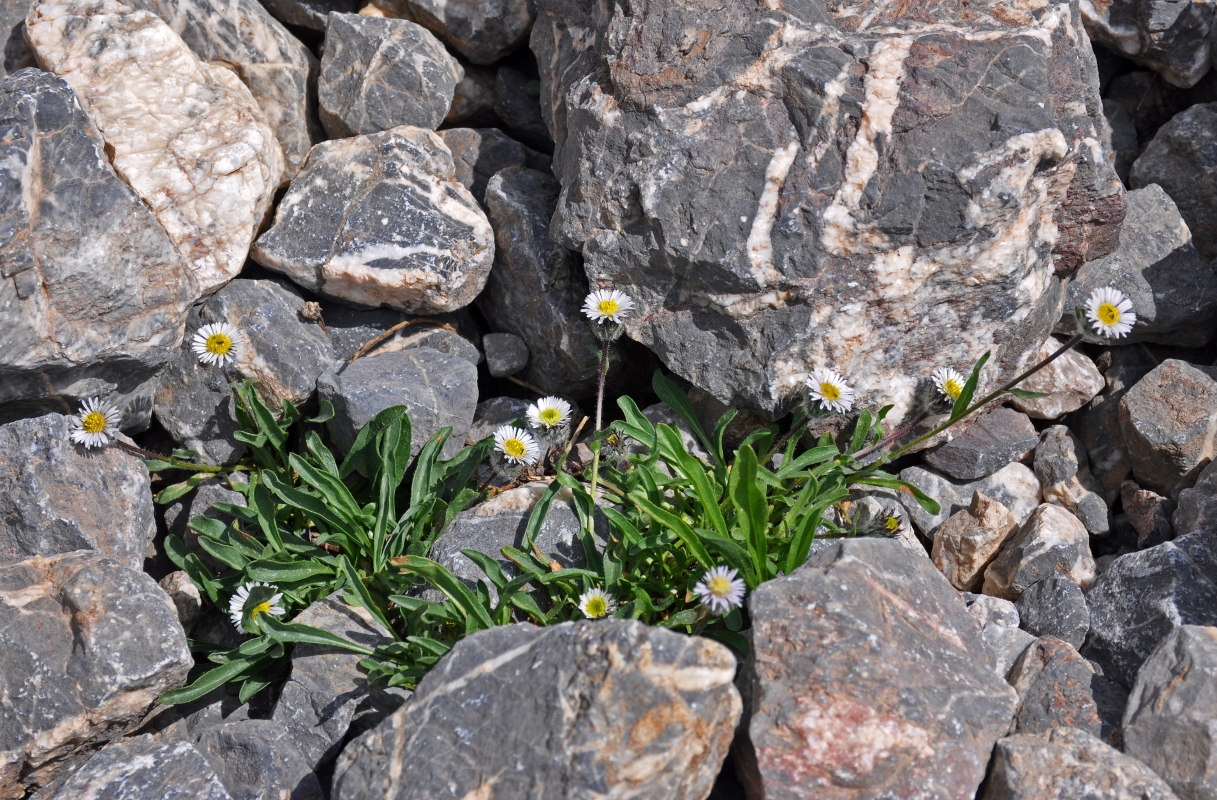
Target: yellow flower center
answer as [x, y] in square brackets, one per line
[609, 307]
[892, 524]
[612, 440]
[596, 607]
[550, 416]
[830, 392]
[260, 608]
[219, 344]
[952, 388]
[94, 422]
[719, 586]
[1108, 314]
[514, 448]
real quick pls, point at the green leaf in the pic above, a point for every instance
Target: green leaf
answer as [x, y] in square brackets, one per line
[171, 493]
[752, 508]
[861, 431]
[307, 634]
[669, 392]
[361, 593]
[193, 566]
[678, 526]
[969, 388]
[314, 507]
[452, 588]
[924, 500]
[289, 569]
[212, 679]
[709, 496]
[1026, 394]
[363, 457]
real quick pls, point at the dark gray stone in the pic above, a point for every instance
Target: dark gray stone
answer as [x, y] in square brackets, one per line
[473, 100]
[1051, 541]
[1173, 39]
[382, 220]
[1181, 159]
[1169, 423]
[515, 102]
[984, 446]
[506, 354]
[144, 769]
[1169, 723]
[257, 759]
[438, 389]
[1197, 508]
[496, 411]
[1067, 762]
[481, 153]
[1014, 486]
[609, 708]
[1053, 685]
[94, 293]
[1143, 596]
[1005, 642]
[482, 31]
[533, 272]
[1148, 513]
[16, 50]
[378, 73]
[1064, 473]
[1125, 145]
[56, 497]
[1055, 606]
[867, 679]
[817, 185]
[351, 328]
[310, 14]
[88, 646]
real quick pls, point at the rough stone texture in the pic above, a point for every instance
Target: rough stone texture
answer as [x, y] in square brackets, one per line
[866, 681]
[16, 50]
[144, 769]
[94, 293]
[515, 102]
[1141, 597]
[473, 100]
[1014, 486]
[1051, 541]
[351, 328]
[1055, 606]
[379, 73]
[187, 600]
[256, 759]
[1064, 474]
[56, 497]
[483, 31]
[327, 692]
[243, 37]
[1053, 685]
[1180, 159]
[970, 539]
[89, 645]
[1148, 513]
[496, 411]
[1173, 290]
[382, 220]
[782, 186]
[439, 389]
[1171, 721]
[310, 14]
[1197, 508]
[1005, 642]
[186, 135]
[610, 708]
[1069, 383]
[532, 271]
[1169, 422]
[1173, 39]
[506, 354]
[481, 153]
[1069, 763]
[989, 443]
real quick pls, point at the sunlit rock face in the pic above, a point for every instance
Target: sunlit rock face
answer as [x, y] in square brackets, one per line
[883, 188]
[187, 136]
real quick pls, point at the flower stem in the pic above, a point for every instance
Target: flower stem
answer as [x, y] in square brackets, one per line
[139, 451]
[604, 360]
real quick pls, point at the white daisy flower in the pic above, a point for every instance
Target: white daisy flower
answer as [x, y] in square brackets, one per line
[720, 591]
[595, 603]
[830, 390]
[948, 382]
[517, 445]
[251, 599]
[216, 343]
[96, 423]
[548, 412]
[607, 305]
[1110, 312]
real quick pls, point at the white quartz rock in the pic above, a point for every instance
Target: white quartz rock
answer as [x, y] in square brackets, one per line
[187, 136]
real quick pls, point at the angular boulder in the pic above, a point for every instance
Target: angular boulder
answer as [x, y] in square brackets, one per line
[144, 769]
[1169, 423]
[483, 31]
[1181, 159]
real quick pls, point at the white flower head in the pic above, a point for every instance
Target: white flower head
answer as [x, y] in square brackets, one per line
[96, 423]
[595, 603]
[517, 445]
[830, 390]
[1110, 312]
[608, 305]
[548, 412]
[720, 591]
[216, 343]
[250, 600]
[948, 382]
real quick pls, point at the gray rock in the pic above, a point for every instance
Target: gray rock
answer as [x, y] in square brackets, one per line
[1068, 763]
[610, 708]
[327, 690]
[1005, 642]
[56, 497]
[94, 293]
[1053, 685]
[482, 31]
[1197, 508]
[1124, 142]
[1169, 723]
[1143, 596]
[1068, 383]
[1055, 606]
[1014, 486]
[1169, 422]
[532, 271]
[89, 646]
[1180, 159]
[351, 329]
[986, 445]
[1172, 289]
[16, 50]
[1064, 475]
[1172, 39]
[1051, 541]
[481, 153]
[1148, 513]
[276, 67]
[144, 769]
[473, 100]
[309, 14]
[855, 694]
[382, 220]
[791, 191]
[187, 600]
[496, 411]
[506, 354]
[257, 759]
[379, 73]
[438, 389]
[515, 102]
